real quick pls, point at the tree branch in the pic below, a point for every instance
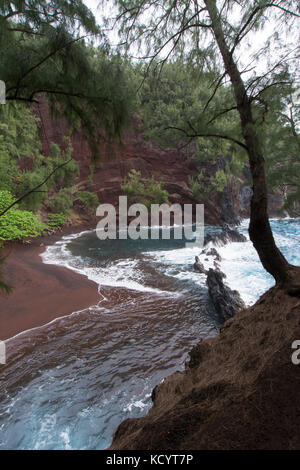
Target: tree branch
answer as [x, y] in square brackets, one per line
[35, 188]
[208, 134]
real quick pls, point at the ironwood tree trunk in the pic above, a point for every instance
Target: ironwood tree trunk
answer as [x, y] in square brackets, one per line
[259, 229]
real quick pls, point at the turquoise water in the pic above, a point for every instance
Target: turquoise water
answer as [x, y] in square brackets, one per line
[68, 384]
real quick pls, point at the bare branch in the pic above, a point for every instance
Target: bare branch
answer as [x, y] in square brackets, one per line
[215, 91]
[209, 134]
[225, 111]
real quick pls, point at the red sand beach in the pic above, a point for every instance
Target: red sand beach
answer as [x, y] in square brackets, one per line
[41, 292]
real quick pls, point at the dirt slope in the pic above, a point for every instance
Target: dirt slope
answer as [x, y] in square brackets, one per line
[242, 391]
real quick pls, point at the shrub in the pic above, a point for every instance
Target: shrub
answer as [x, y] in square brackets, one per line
[6, 199]
[28, 181]
[62, 202]
[145, 190]
[198, 187]
[17, 224]
[56, 220]
[66, 175]
[220, 180]
[9, 171]
[201, 188]
[88, 199]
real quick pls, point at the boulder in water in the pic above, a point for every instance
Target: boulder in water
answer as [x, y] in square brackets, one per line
[213, 252]
[198, 266]
[217, 267]
[226, 301]
[227, 235]
[233, 234]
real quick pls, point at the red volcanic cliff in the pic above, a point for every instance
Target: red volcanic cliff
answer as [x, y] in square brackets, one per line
[171, 166]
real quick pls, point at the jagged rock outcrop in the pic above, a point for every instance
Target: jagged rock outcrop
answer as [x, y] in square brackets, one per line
[244, 197]
[225, 236]
[227, 202]
[198, 266]
[225, 300]
[213, 252]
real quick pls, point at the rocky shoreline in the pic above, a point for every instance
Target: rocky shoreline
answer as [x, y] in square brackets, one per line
[225, 301]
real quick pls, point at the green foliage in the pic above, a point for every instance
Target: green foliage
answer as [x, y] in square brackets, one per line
[20, 143]
[144, 190]
[18, 140]
[28, 180]
[6, 199]
[191, 32]
[15, 182]
[280, 132]
[56, 220]
[201, 186]
[67, 174]
[9, 172]
[62, 202]
[45, 49]
[17, 224]
[43, 166]
[220, 180]
[88, 199]
[19, 136]
[236, 164]
[171, 105]
[198, 187]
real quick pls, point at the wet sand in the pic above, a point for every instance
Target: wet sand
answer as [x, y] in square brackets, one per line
[41, 292]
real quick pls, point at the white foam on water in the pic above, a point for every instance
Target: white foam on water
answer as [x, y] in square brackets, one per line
[65, 435]
[137, 404]
[122, 273]
[240, 263]
[244, 271]
[47, 427]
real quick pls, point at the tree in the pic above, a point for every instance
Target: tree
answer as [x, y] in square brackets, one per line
[173, 96]
[212, 33]
[44, 50]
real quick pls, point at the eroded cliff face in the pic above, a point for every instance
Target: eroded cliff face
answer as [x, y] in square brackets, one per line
[240, 390]
[171, 166]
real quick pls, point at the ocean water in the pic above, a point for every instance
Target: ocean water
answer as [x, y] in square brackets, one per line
[68, 384]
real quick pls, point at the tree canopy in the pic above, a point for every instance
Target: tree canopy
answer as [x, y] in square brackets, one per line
[45, 50]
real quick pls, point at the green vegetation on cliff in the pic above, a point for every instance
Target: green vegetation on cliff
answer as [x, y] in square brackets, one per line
[16, 223]
[46, 48]
[23, 167]
[146, 191]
